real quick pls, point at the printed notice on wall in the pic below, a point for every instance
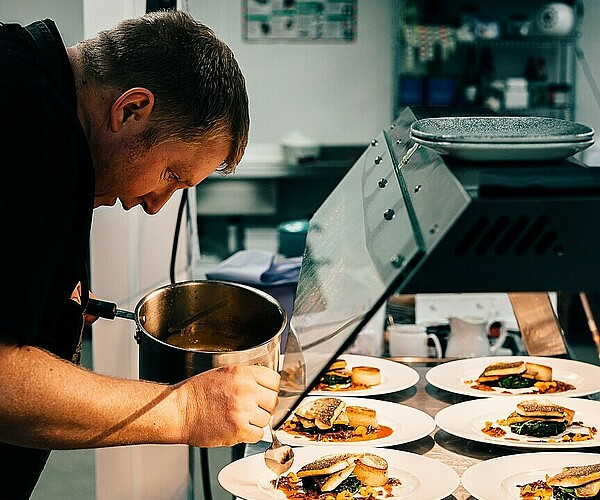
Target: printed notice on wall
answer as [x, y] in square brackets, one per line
[299, 21]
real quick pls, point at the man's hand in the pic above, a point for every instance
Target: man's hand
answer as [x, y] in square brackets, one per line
[76, 296]
[229, 405]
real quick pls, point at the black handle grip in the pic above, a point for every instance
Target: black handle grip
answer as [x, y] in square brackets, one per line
[101, 308]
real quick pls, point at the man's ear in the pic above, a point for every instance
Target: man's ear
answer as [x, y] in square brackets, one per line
[133, 105]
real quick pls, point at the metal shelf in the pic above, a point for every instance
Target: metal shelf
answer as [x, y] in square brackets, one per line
[526, 42]
[522, 42]
[559, 52]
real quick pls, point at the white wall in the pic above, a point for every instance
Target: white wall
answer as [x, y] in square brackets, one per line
[68, 15]
[339, 94]
[334, 93]
[588, 110]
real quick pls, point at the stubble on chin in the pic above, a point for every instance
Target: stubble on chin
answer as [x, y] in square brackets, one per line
[116, 169]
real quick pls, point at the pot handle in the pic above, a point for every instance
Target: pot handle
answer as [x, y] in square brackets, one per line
[107, 310]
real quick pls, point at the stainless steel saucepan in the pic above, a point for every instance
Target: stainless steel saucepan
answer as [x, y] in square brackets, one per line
[189, 327]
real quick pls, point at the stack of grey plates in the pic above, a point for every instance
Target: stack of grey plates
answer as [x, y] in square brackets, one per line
[502, 138]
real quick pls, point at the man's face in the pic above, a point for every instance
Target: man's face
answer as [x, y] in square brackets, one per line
[125, 169]
[137, 176]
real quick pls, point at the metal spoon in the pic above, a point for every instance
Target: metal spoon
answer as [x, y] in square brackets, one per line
[278, 457]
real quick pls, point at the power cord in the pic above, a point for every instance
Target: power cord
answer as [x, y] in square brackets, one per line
[204, 464]
[182, 204]
[154, 5]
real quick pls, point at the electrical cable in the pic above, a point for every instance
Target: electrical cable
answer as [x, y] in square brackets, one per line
[154, 5]
[182, 204]
[204, 464]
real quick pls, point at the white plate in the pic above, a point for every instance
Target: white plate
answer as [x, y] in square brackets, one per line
[407, 424]
[496, 151]
[452, 376]
[466, 420]
[511, 129]
[394, 376]
[249, 477]
[498, 478]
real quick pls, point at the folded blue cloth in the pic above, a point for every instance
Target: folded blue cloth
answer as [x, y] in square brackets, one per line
[257, 267]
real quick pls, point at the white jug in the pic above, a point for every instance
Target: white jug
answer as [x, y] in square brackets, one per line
[469, 337]
[412, 340]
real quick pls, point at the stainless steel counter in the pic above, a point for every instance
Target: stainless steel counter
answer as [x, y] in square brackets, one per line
[333, 161]
[258, 171]
[456, 452]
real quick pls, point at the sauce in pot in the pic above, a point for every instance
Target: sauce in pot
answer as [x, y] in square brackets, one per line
[206, 340]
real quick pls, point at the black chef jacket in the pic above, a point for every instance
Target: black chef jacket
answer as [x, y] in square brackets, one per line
[46, 205]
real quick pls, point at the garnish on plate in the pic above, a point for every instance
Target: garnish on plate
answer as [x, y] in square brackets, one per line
[340, 477]
[536, 490]
[582, 481]
[540, 418]
[339, 378]
[509, 376]
[331, 420]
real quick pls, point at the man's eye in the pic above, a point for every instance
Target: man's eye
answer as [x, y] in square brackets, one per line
[173, 176]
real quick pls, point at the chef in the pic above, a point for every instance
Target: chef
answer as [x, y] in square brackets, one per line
[154, 105]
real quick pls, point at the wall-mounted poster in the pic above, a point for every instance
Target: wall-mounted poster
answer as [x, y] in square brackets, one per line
[299, 20]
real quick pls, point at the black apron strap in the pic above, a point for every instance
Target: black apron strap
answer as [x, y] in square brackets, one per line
[41, 35]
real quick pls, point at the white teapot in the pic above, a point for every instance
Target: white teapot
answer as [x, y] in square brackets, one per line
[469, 337]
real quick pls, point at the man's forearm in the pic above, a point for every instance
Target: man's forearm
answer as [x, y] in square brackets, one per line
[50, 403]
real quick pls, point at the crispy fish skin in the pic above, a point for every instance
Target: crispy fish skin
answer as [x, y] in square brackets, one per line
[539, 408]
[503, 369]
[515, 418]
[329, 471]
[332, 481]
[525, 369]
[321, 410]
[329, 414]
[338, 364]
[575, 476]
[328, 464]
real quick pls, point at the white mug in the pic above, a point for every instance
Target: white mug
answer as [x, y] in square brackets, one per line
[412, 340]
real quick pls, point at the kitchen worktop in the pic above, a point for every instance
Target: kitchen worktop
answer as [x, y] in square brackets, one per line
[265, 191]
[458, 453]
[333, 161]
